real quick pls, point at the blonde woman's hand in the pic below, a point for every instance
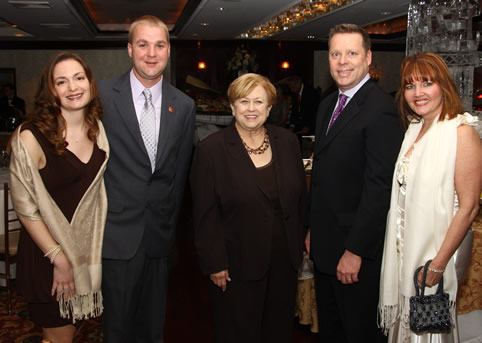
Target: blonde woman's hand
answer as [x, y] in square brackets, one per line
[220, 279]
[63, 282]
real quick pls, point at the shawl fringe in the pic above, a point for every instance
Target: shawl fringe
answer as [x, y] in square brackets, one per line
[387, 317]
[79, 307]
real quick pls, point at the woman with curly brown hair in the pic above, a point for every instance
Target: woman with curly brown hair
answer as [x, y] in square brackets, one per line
[58, 160]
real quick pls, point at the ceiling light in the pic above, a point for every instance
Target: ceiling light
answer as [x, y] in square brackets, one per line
[204, 24]
[310, 37]
[388, 27]
[30, 4]
[303, 12]
[385, 13]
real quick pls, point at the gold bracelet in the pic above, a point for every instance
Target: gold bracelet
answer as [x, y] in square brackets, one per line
[436, 270]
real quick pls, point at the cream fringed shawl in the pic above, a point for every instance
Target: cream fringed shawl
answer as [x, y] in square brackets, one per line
[429, 209]
[81, 239]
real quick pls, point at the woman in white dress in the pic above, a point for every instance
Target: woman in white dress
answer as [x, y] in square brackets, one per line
[435, 195]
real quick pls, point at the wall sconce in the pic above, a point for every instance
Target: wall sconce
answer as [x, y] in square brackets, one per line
[285, 65]
[201, 65]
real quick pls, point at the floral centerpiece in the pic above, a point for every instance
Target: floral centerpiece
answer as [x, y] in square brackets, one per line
[242, 62]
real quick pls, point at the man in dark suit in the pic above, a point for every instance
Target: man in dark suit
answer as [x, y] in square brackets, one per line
[150, 125]
[12, 109]
[304, 103]
[354, 155]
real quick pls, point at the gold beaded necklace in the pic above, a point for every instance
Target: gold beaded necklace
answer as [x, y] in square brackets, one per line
[262, 148]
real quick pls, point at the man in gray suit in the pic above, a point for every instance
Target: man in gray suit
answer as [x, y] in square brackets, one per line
[150, 126]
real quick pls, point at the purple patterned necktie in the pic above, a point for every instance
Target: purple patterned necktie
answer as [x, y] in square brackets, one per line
[338, 109]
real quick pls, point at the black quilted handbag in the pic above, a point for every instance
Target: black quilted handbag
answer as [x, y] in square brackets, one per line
[429, 313]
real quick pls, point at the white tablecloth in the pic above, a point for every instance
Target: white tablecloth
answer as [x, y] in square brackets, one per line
[207, 124]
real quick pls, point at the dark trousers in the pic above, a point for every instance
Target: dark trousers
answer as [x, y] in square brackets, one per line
[134, 293]
[258, 311]
[348, 313]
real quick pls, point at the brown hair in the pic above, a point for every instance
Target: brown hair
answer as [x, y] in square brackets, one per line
[147, 20]
[46, 116]
[351, 28]
[245, 84]
[428, 67]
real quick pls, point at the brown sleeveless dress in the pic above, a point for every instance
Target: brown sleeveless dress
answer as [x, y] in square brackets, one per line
[66, 178]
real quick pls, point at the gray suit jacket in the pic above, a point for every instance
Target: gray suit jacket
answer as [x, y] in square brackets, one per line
[141, 202]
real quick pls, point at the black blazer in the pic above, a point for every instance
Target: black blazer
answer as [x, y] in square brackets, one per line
[232, 215]
[17, 103]
[351, 178]
[304, 114]
[142, 203]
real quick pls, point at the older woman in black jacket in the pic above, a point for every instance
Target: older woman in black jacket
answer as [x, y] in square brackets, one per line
[249, 191]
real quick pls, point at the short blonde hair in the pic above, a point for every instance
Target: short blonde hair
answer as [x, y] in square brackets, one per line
[147, 20]
[245, 84]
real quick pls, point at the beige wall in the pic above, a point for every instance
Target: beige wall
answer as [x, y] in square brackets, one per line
[387, 61]
[28, 65]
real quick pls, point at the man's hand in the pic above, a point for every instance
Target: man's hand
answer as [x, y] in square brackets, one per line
[348, 268]
[220, 279]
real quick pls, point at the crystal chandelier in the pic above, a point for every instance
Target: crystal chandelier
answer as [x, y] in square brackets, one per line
[304, 11]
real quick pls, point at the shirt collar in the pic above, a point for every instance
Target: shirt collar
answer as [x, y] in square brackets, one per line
[351, 92]
[137, 88]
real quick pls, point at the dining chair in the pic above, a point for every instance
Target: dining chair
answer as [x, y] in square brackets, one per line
[8, 245]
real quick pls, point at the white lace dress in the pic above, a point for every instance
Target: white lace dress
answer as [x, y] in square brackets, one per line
[399, 333]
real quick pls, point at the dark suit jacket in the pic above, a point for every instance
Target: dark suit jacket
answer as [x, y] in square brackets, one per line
[142, 202]
[304, 114]
[233, 217]
[17, 103]
[351, 178]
